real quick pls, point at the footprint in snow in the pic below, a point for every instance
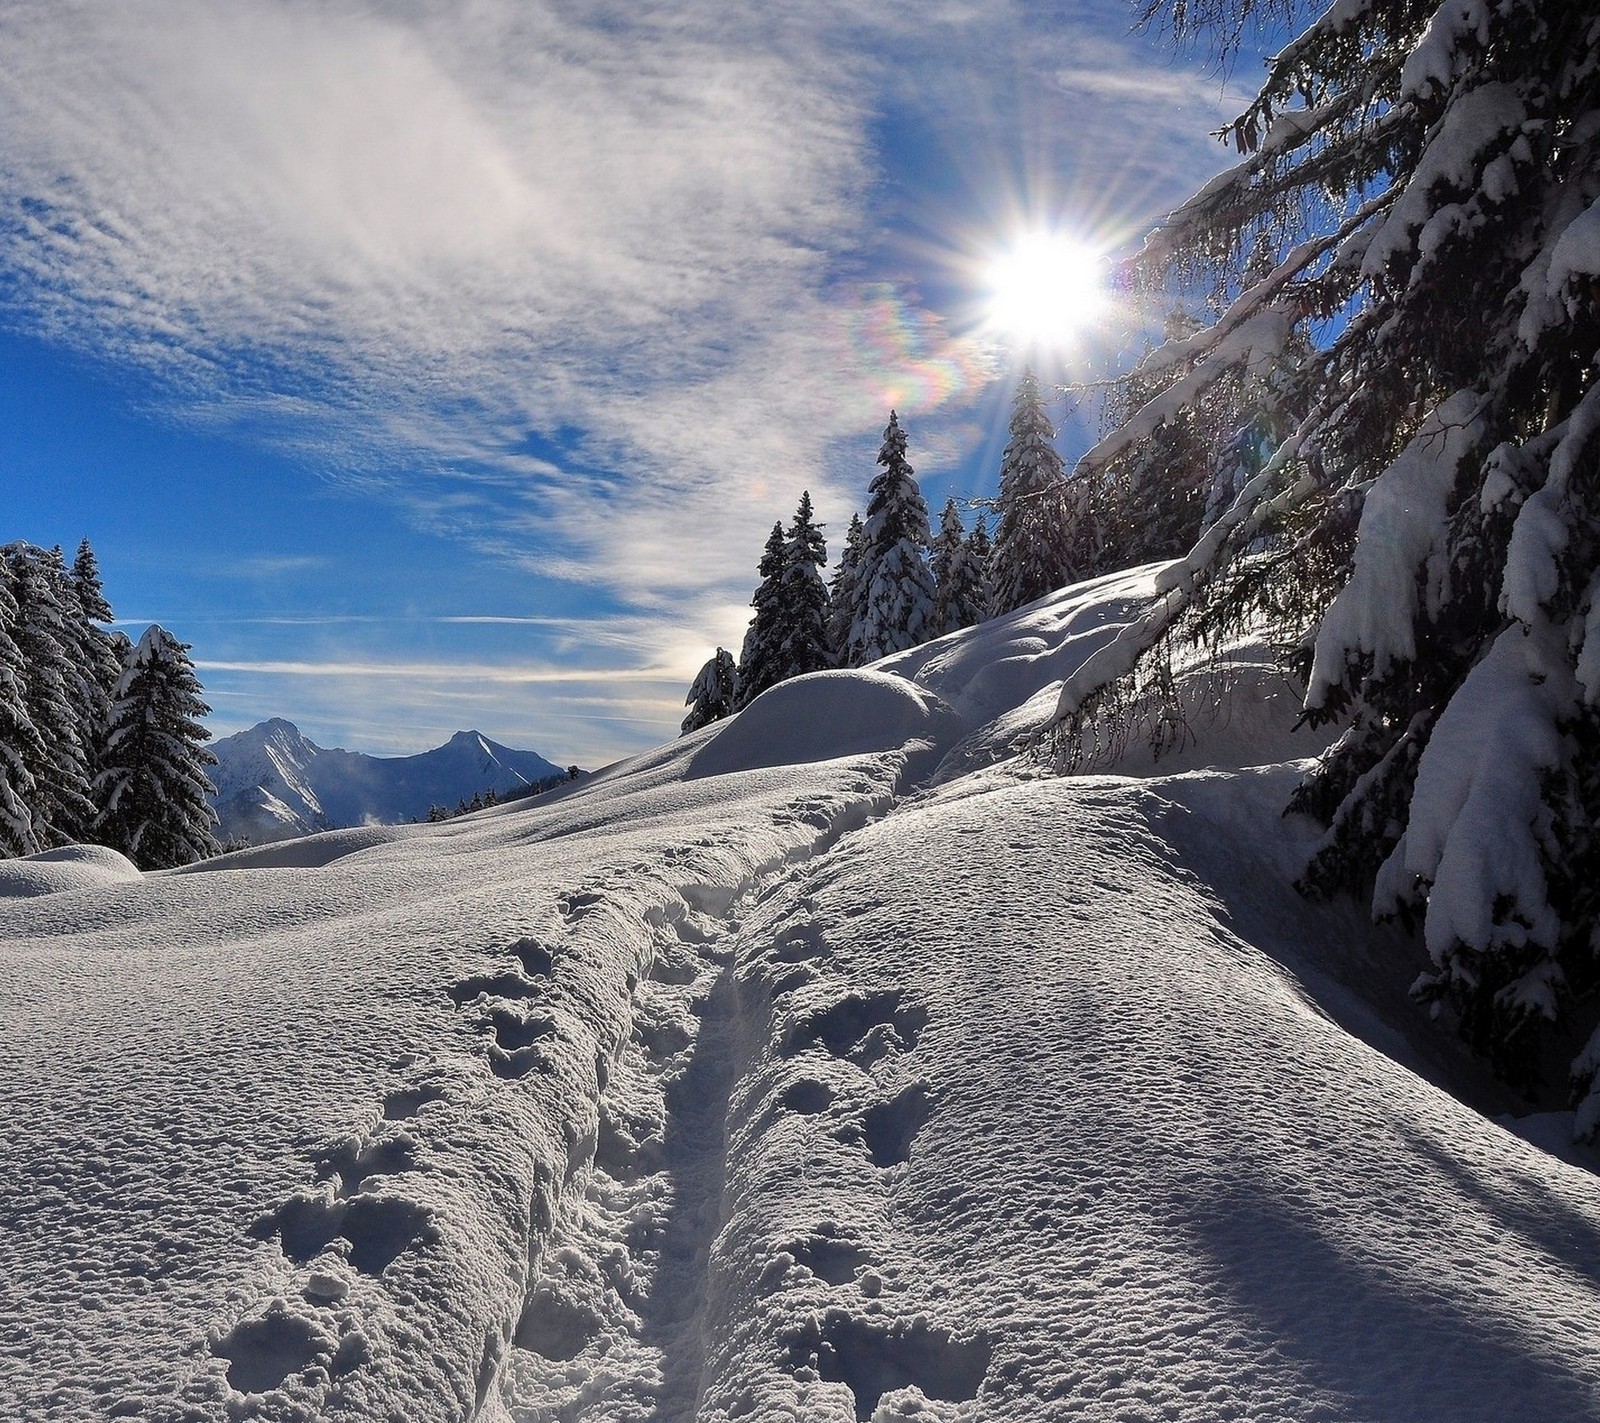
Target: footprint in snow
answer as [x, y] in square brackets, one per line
[405, 1102]
[806, 1097]
[263, 1353]
[830, 1259]
[862, 1027]
[872, 1357]
[574, 906]
[377, 1229]
[889, 1127]
[536, 958]
[354, 1164]
[510, 983]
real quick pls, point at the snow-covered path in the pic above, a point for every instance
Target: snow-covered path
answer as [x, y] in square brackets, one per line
[295, 1133]
[1068, 1143]
[730, 1085]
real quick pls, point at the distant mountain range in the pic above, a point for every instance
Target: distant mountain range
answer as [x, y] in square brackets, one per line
[274, 784]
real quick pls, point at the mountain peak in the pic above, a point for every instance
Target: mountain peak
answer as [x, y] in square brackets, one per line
[273, 782]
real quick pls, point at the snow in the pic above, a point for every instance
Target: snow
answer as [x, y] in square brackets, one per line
[1577, 250]
[1488, 117]
[1432, 62]
[61, 871]
[823, 716]
[273, 782]
[1475, 813]
[1402, 519]
[772, 1076]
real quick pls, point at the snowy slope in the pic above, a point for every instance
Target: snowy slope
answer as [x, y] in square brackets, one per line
[740, 1082]
[273, 783]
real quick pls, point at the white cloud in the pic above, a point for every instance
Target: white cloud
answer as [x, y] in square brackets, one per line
[410, 243]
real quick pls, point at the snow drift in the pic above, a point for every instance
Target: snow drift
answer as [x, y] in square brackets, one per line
[747, 1080]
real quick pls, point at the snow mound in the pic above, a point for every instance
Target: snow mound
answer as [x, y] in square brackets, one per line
[983, 672]
[310, 852]
[1003, 678]
[825, 716]
[59, 871]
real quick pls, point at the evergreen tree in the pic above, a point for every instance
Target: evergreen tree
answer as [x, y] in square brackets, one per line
[711, 696]
[761, 659]
[845, 593]
[97, 652]
[804, 602]
[980, 556]
[20, 750]
[961, 583]
[896, 607]
[1429, 531]
[1044, 539]
[153, 789]
[55, 693]
[86, 583]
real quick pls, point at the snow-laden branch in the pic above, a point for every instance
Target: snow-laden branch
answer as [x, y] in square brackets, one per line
[1250, 332]
[1178, 583]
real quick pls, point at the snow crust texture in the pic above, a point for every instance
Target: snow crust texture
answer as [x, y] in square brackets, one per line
[741, 1082]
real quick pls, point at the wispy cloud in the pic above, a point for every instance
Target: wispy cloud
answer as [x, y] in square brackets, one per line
[454, 672]
[585, 290]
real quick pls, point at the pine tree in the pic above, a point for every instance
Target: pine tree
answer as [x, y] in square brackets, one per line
[761, 659]
[1429, 530]
[1044, 538]
[97, 652]
[20, 750]
[56, 694]
[87, 584]
[804, 602]
[153, 790]
[712, 694]
[960, 581]
[896, 607]
[980, 556]
[845, 593]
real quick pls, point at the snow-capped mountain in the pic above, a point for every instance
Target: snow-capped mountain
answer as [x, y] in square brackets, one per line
[273, 783]
[834, 1062]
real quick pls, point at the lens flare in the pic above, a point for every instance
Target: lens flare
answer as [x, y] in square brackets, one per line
[1044, 290]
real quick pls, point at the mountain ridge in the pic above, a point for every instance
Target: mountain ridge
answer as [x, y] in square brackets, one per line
[275, 783]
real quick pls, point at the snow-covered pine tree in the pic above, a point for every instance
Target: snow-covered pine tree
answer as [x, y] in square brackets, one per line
[98, 652]
[20, 750]
[845, 593]
[153, 789]
[980, 555]
[897, 592]
[87, 584]
[1429, 174]
[761, 657]
[55, 693]
[1044, 538]
[804, 605]
[712, 692]
[961, 582]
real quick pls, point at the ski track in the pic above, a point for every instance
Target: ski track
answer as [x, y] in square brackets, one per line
[608, 1298]
[631, 1306]
[616, 1322]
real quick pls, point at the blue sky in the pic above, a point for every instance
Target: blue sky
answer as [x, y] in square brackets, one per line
[443, 365]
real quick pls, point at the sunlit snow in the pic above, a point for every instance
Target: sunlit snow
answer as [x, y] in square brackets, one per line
[831, 1063]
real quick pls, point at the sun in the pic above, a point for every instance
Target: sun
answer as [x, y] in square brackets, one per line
[1044, 290]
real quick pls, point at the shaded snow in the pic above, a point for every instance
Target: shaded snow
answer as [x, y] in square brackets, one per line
[737, 1082]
